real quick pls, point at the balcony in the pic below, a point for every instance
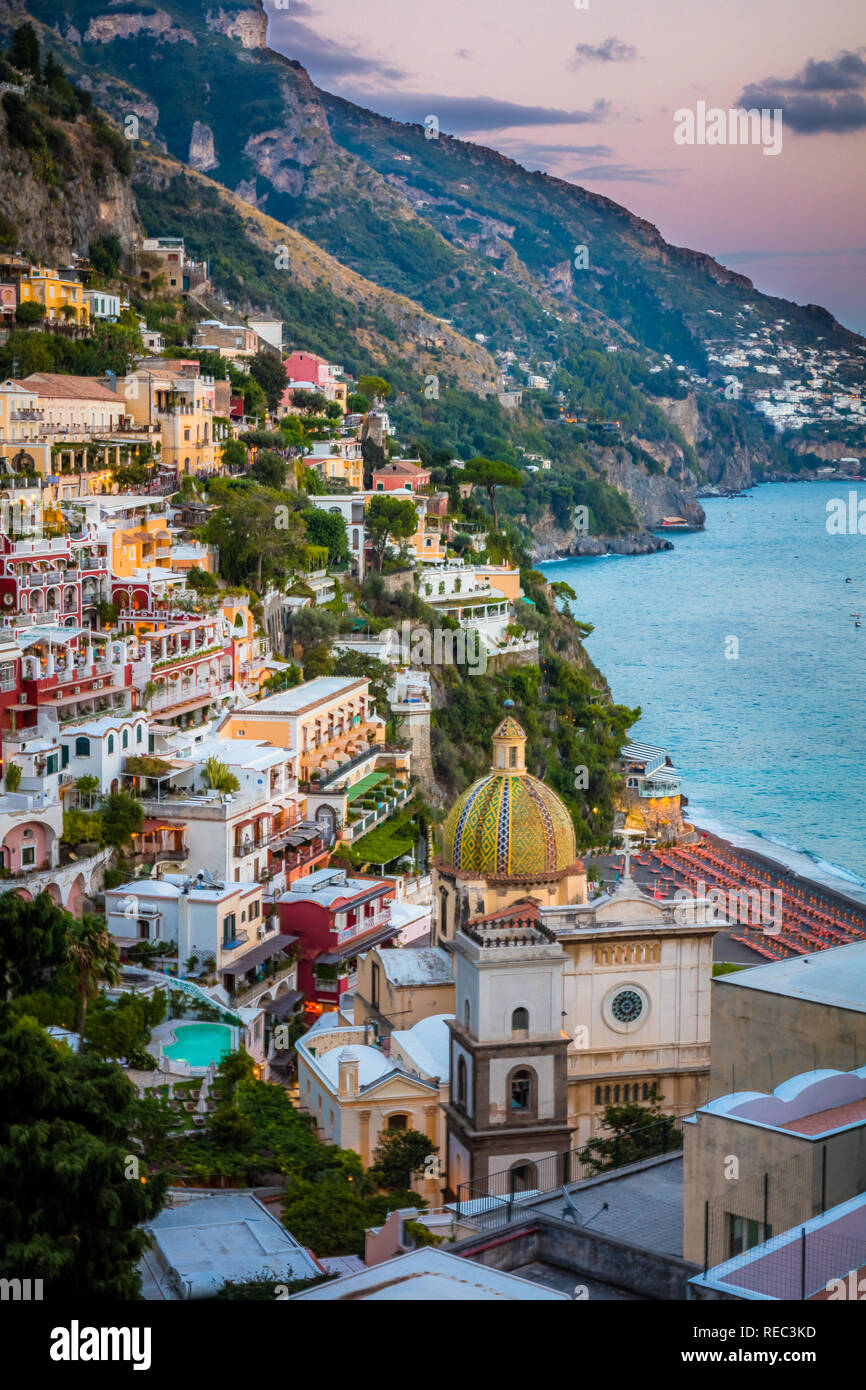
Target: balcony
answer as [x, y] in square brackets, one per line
[246, 989]
[328, 782]
[366, 924]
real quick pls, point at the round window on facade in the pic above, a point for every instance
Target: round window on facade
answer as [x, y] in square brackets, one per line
[626, 1007]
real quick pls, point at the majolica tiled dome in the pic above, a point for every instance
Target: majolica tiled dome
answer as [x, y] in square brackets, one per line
[508, 824]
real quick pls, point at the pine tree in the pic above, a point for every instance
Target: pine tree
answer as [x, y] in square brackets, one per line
[23, 50]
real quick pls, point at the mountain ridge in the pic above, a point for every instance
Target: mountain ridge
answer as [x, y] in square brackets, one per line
[480, 244]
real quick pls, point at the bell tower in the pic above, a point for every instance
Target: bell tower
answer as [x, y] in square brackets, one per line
[508, 1107]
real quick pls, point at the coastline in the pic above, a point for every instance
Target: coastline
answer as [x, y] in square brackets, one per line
[776, 855]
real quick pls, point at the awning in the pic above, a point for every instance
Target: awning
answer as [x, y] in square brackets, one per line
[359, 943]
[283, 1004]
[250, 959]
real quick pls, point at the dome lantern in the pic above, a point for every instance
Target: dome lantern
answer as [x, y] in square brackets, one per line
[509, 747]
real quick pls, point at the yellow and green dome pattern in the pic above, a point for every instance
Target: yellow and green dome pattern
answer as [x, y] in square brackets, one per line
[509, 825]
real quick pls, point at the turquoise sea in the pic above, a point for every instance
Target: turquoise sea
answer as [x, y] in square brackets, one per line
[741, 650]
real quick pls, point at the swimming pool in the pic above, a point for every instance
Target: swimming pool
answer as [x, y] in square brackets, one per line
[199, 1044]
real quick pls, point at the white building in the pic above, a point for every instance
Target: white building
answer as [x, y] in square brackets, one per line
[99, 747]
[103, 305]
[217, 929]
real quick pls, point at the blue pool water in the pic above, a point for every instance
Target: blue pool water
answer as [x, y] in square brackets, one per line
[772, 742]
[200, 1044]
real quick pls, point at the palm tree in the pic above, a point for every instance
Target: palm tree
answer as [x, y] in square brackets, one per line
[216, 775]
[92, 953]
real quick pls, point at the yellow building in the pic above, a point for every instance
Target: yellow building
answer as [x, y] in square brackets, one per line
[182, 408]
[507, 839]
[651, 795]
[249, 650]
[143, 546]
[60, 294]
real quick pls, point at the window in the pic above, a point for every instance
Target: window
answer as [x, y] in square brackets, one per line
[461, 1083]
[745, 1233]
[64, 755]
[374, 985]
[125, 739]
[228, 928]
[512, 757]
[111, 743]
[523, 1177]
[28, 855]
[467, 1015]
[139, 733]
[398, 1122]
[598, 1095]
[51, 764]
[521, 1090]
[7, 675]
[520, 1021]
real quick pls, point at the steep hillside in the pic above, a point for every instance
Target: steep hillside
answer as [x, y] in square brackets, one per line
[466, 234]
[261, 264]
[64, 179]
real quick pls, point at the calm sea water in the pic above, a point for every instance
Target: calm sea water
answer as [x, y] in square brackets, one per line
[741, 650]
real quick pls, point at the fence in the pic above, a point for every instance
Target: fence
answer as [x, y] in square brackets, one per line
[498, 1197]
[788, 1230]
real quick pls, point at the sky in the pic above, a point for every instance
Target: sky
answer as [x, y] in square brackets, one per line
[588, 90]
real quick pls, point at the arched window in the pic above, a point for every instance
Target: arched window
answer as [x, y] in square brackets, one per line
[616, 1095]
[111, 743]
[521, 1090]
[646, 1090]
[520, 1021]
[82, 747]
[125, 739]
[139, 733]
[607, 1095]
[598, 1095]
[467, 1015]
[398, 1122]
[461, 1082]
[512, 757]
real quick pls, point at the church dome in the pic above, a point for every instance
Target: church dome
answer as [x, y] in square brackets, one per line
[509, 824]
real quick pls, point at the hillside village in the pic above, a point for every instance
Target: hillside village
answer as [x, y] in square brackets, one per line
[321, 834]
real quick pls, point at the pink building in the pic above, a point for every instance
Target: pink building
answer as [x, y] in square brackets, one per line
[335, 918]
[401, 475]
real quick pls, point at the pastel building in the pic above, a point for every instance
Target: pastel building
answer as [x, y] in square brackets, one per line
[216, 928]
[60, 293]
[356, 1092]
[31, 817]
[398, 988]
[335, 918]
[798, 1150]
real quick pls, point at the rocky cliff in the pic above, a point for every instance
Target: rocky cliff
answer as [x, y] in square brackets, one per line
[86, 196]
